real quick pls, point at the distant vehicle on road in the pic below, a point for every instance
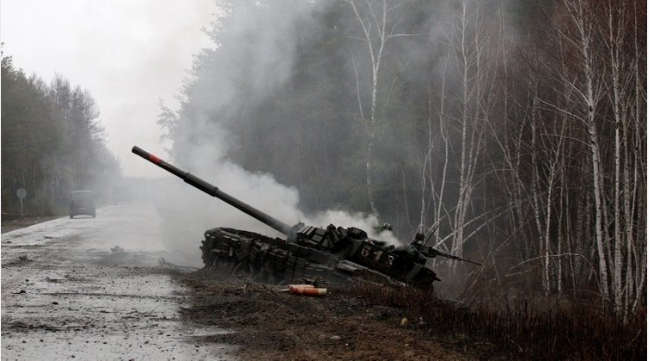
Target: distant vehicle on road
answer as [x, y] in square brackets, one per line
[82, 202]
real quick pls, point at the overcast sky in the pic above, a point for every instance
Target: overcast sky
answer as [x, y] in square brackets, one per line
[127, 53]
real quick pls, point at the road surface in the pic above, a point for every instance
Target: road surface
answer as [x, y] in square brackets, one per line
[93, 289]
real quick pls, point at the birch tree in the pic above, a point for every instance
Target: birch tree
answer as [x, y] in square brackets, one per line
[378, 27]
[620, 26]
[469, 45]
[609, 104]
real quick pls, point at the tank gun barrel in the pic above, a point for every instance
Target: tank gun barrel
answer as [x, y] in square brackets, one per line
[215, 192]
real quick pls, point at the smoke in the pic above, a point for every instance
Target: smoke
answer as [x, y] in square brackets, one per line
[256, 52]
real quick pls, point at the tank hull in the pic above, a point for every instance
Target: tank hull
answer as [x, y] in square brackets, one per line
[277, 261]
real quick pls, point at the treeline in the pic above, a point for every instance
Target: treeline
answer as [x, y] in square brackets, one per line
[52, 143]
[514, 129]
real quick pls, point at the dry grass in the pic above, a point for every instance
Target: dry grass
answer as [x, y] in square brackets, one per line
[519, 329]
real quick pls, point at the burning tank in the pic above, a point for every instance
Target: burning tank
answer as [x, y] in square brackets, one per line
[335, 254]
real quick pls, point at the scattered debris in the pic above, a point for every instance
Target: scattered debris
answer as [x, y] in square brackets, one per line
[22, 260]
[164, 264]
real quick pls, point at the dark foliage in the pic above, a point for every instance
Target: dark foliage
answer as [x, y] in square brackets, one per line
[52, 143]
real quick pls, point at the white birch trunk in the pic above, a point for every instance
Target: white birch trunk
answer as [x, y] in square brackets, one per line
[375, 37]
[585, 32]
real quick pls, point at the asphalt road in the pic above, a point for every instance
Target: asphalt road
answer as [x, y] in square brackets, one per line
[93, 289]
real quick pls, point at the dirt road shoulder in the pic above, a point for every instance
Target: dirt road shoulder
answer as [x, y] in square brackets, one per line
[274, 325]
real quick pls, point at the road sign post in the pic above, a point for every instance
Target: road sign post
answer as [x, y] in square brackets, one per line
[21, 193]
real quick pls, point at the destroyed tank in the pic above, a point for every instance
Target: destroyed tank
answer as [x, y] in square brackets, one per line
[334, 254]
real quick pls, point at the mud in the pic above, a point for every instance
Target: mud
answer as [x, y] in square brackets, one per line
[274, 325]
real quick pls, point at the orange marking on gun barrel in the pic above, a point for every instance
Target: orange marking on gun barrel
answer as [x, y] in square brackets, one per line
[154, 159]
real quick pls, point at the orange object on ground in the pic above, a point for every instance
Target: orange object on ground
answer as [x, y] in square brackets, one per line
[307, 291]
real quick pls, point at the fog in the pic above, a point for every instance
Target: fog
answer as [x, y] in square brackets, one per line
[127, 54]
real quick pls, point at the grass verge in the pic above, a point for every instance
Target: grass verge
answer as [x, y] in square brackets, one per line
[518, 331]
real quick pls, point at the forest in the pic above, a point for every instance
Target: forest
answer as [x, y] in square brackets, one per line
[52, 144]
[513, 130]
